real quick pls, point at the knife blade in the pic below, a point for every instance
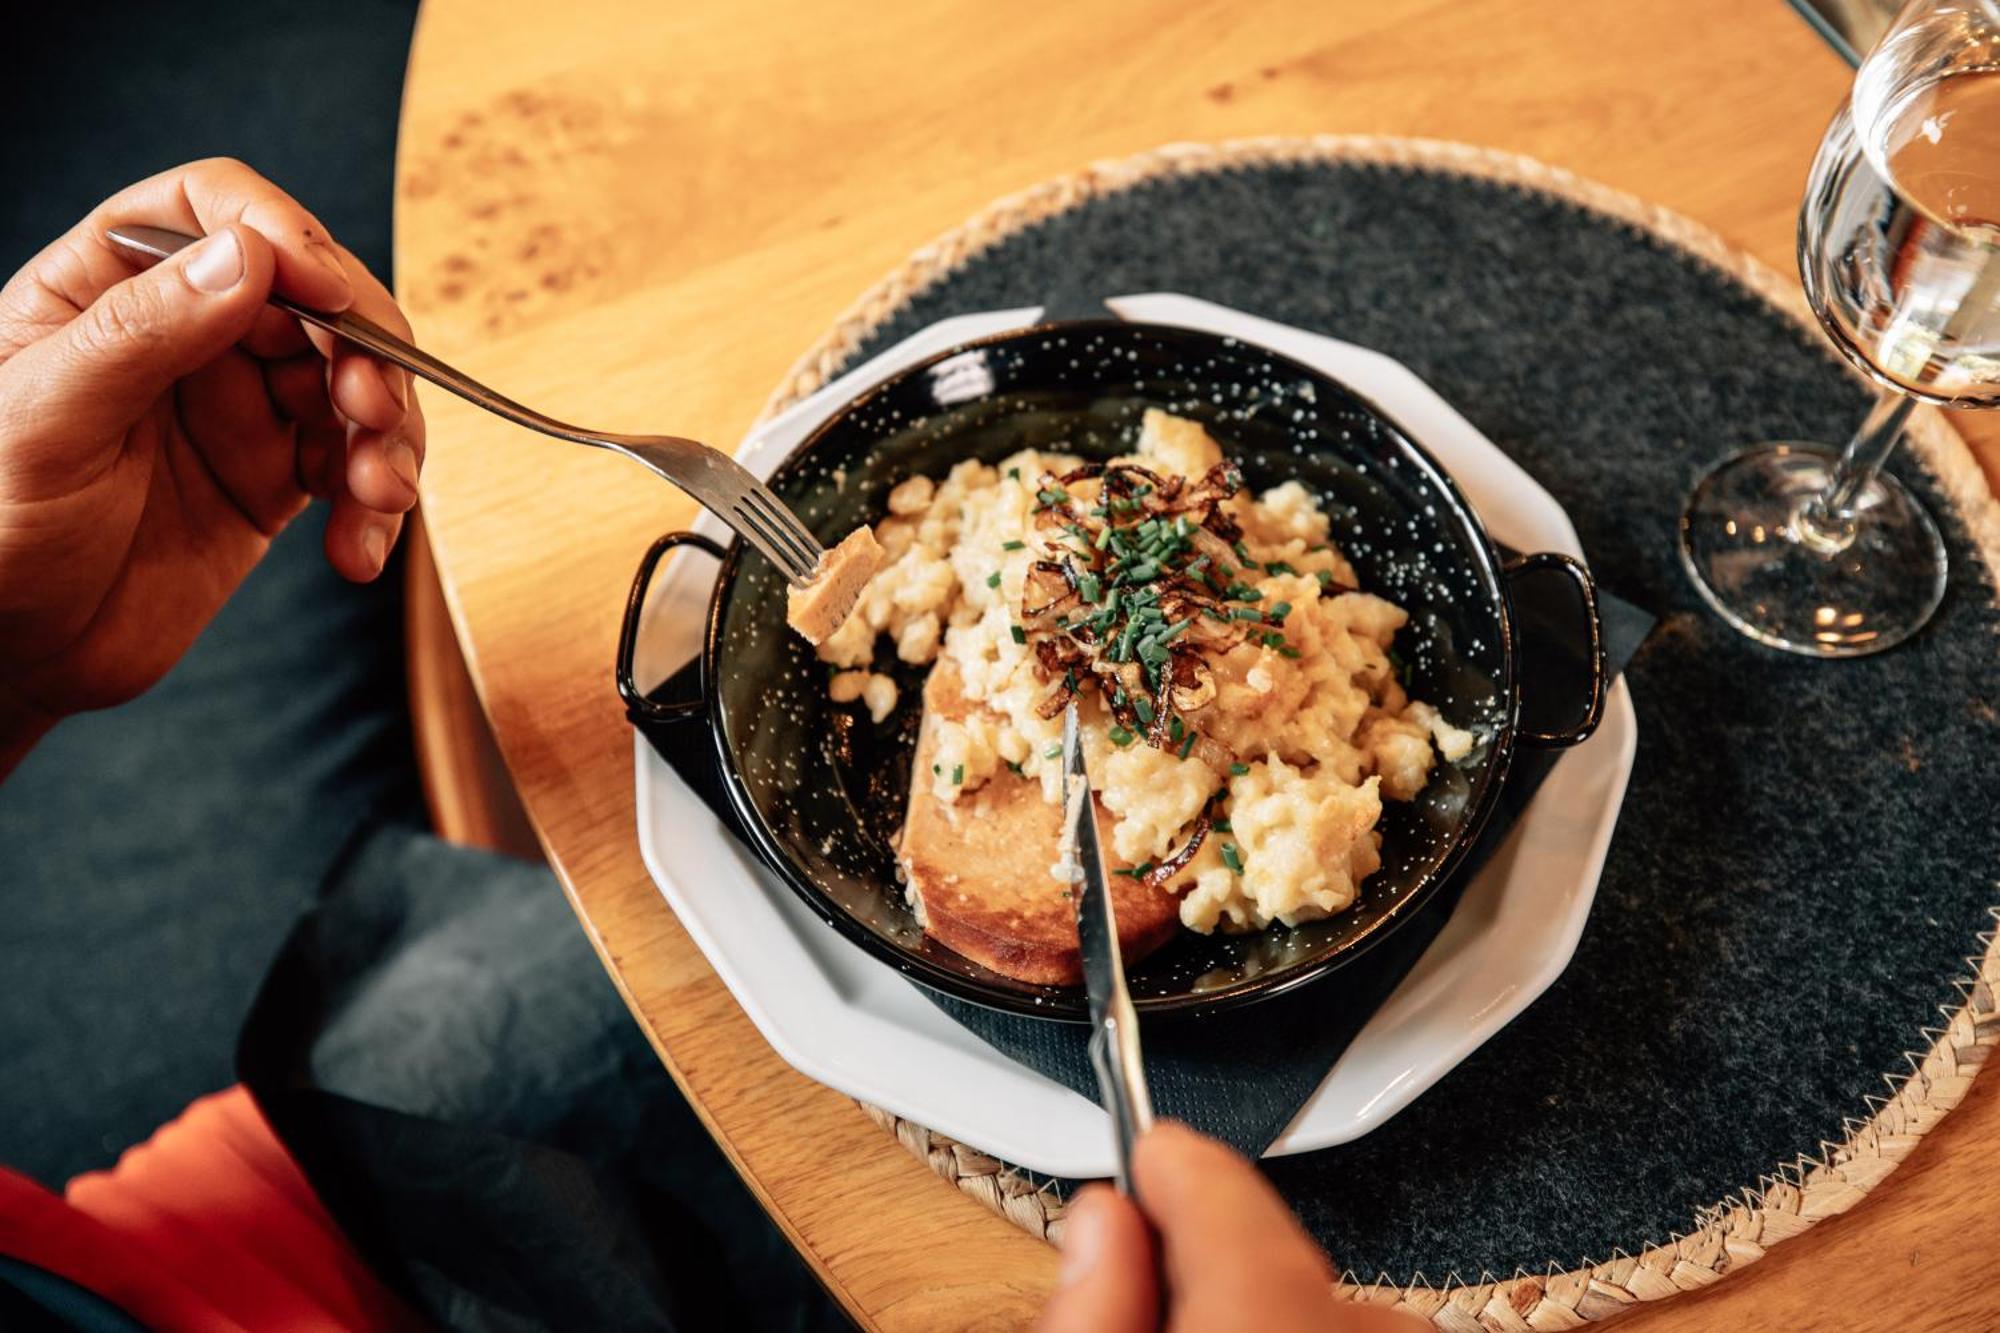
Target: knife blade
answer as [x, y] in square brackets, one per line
[1114, 1023]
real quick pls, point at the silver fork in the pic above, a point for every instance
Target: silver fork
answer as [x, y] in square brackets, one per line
[712, 477]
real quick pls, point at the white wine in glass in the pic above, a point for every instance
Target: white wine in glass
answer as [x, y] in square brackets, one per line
[1824, 553]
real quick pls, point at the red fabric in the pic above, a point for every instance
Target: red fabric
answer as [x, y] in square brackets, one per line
[206, 1226]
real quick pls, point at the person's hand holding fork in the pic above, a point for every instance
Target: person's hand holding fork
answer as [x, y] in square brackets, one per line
[158, 428]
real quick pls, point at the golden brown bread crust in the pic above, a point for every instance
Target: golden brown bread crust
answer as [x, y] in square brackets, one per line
[980, 868]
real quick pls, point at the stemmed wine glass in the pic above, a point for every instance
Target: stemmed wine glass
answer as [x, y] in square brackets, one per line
[1899, 247]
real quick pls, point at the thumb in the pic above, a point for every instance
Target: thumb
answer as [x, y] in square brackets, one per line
[1110, 1283]
[100, 372]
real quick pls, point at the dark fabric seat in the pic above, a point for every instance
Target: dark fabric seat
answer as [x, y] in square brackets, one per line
[154, 859]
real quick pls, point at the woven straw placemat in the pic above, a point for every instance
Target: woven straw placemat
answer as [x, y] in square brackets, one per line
[1737, 1230]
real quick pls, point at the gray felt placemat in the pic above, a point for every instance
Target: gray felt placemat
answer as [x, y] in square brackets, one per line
[1806, 856]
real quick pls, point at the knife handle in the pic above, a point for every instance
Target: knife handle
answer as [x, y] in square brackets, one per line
[1114, 1054]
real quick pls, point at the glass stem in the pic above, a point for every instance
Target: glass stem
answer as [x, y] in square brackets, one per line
[1827, 521]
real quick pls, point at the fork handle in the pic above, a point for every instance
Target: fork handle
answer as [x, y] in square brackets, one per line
[714, 479]
[162, 243]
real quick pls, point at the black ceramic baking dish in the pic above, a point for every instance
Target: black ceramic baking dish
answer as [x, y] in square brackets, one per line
[821, 790]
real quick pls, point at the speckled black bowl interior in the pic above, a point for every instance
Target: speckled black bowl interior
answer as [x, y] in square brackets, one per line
[822, 789]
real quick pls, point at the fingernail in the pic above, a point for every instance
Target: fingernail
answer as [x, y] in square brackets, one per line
[397, 380]
[329, 261]
[375, 544]
[215, 264]
[402, 460]
[1083, 1239]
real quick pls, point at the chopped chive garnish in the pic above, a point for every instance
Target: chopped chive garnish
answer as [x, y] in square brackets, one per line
[1279, 610]
[1090, 587]
[1232, 858]
[1013, 546]
[1187, 743]
[1020, 635]
[1014, 472]
[1120, 736]
[1278, 567]
[993, 579]
[1222, 826]
[1139, 871]
[1289, 651]
[1052, 496]
[935, 769]
[1013, 768]
[1242, 552]
[1274, 640]
[1238, 770]
[957, 775]
[1246, 613]
[1325, 576]
[1174, 727]
[1053, 750]
[1144, 709]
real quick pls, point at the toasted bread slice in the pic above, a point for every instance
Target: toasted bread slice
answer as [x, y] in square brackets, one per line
[978, 869]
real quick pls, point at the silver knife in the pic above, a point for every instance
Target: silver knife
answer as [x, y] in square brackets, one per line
[1114, 1024]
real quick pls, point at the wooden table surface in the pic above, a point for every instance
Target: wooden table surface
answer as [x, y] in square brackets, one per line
[636, 215]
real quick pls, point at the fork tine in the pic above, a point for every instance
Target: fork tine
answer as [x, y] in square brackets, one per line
[772, 518]
[733, 493]
[799, 530]
[761, 533]
[787, 524]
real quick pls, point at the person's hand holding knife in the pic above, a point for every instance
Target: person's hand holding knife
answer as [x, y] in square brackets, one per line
[1201, 1241]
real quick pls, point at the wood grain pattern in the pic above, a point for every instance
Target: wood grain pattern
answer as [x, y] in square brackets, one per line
[635, 217]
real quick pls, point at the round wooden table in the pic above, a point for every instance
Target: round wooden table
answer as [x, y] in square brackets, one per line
[635, 216]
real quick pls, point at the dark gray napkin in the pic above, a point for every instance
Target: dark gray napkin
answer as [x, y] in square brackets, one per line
[1241, 1076]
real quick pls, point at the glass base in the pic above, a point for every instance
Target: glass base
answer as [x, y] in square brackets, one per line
[1808, 587]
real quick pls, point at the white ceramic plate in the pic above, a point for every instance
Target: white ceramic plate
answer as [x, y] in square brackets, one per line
[851, 1022]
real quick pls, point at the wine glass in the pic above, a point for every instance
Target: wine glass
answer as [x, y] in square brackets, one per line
[1824, 553]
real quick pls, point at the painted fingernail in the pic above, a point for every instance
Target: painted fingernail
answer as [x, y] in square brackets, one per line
[1083, 1238]
[215, 264]
[402, 460]
[375, 544]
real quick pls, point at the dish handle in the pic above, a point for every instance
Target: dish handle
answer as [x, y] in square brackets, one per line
[639, 706]
[1586, 587]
